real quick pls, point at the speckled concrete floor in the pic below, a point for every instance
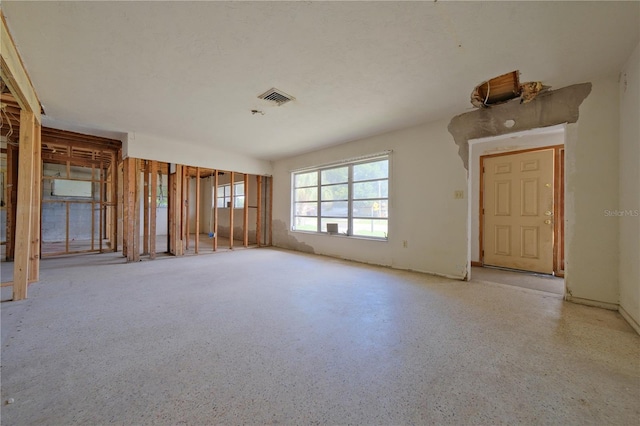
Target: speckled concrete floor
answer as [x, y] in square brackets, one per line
[529, 280]
[268, 336]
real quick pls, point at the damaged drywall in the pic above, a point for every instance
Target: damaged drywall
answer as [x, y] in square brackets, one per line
[283, 238]
[505, 88]
[548, 109]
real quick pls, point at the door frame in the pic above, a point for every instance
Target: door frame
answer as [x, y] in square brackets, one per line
[558, 203]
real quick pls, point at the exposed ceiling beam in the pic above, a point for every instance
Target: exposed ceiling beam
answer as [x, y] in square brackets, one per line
[14, 74]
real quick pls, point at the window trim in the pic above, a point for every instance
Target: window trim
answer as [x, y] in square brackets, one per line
[350, 216]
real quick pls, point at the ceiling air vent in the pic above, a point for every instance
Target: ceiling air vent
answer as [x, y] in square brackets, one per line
[277, 96]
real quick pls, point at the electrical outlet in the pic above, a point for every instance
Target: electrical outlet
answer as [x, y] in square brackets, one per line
[458, 195]
[405, 243]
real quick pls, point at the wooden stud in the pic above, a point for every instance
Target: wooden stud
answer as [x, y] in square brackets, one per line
[102, 207]
[25, 205]
[34, 258]
[125, 208]
[215, 210]
[186, 188]
[113, 199]
[153, 207]
[93, 209]
[14, 74]
[270, 212]
[145, 210]
[231, 211]
[176, 203]
[481, 213]
[136, 212]
[197, 242]
[130, 220]
[259, 211]
[171, 211]
[12, 200]
[245, 218]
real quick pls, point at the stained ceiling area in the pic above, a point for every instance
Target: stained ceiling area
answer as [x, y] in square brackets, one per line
[193, 71]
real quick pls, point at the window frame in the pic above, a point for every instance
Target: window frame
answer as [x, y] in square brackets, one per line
[225, 190]
[350, 216]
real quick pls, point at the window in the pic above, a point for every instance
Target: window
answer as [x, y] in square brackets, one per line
[224, 195]
[354, 196]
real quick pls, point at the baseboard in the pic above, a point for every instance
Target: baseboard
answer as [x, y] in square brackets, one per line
[594, 303]
[478, 264]
[633, 323]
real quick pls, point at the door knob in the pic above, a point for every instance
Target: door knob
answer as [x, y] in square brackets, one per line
[548, 213]
[548, 222]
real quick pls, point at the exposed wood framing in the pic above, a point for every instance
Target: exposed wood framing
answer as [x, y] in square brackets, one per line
[245, 217]
[186, 191]
[114, 201]
[145, 210]
[270, 212]
[215, 210]
[25, 208]
[259, 211]
[12, 200]
[231, 211]
[176, 207]
[135, 256]
[14, 74]
[153, 207]
[197, 242]
[131, 209]
[103, 206]
[34, 257]
[185, 208]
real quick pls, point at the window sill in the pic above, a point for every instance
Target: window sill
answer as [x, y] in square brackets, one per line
[353, 237]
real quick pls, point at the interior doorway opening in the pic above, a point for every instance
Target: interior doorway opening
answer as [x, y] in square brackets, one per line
[518, 196]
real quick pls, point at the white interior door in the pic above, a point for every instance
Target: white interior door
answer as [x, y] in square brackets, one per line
[518, 199]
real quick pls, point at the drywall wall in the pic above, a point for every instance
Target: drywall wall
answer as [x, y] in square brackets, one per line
[139, 145]
[629, 201]
[591, 175]
[591, 187]
[548, 109]
[425, 171]
[506, 143]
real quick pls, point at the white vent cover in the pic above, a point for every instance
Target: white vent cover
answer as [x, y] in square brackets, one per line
[277, 96]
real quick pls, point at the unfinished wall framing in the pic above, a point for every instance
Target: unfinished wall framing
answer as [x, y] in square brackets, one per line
[79, 193]
[206, 210]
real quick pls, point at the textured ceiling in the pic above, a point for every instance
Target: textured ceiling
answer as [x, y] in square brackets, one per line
[192, 71]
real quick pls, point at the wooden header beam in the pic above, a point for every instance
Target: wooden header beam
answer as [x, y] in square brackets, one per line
[14, 74]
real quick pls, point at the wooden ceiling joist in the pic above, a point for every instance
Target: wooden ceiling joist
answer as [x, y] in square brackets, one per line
[14, 74]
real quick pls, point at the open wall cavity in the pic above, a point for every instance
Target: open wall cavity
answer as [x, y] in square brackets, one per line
[180, 210]
[79, 193]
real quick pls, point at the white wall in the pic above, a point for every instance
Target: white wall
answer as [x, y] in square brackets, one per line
[425, 172]
[591, 187]
[505, 143]
[148, 147]
[629, 224]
